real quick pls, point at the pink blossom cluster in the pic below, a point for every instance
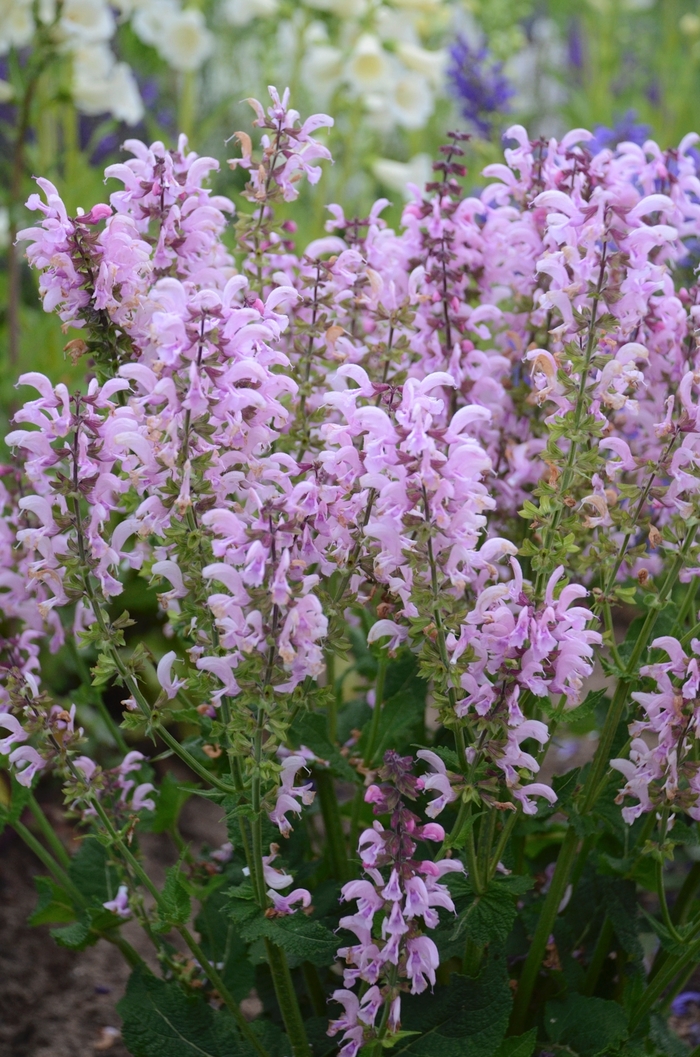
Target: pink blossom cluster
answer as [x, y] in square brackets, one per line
[662, 772]
[392, 953]
[357, 423]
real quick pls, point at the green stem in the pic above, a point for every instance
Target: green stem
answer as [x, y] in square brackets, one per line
[598, 957]
[686, 894]
[470, 851]
[286, 996]
[332, 713]
[337, 853]
[187, 936]
[130, 955]
[548, 914]
[165, 735]
[662, 980]
[661, 892]
[49, 833]
[679, 912]
[502, 841]
[473, 956]
[96, 697]
[594, 782]
[568, 474]
[377, 712]
[48, 861]
[314, 989]
[601, 759]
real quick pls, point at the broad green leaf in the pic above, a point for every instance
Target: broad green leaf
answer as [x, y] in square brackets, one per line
[12, 801]
[522, 1046]
[489, 918]
[92, 873]
[76, 936]
[54, 906]
[468, 1018]
[589, 1026]
[175, 908]
[304, 940]
[160, 1020]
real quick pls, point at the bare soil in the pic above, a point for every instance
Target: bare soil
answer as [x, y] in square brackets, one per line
[59, 1003]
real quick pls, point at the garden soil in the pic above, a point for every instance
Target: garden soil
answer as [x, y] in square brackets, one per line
[55, 1002]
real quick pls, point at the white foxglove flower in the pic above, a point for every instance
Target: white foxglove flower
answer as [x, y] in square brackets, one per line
[241, 12]
[397, 175]
[323, 68]
[86, 21]
[431, 64]
[186, 42]
[369, 67]
[341, 8]
[411, 101]
[16, 24]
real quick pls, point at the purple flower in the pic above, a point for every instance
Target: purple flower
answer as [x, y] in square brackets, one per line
[626, 130]
[119, 905]
[477, 82]
[681, 1003]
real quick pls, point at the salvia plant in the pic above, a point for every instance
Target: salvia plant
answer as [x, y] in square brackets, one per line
[413, 502]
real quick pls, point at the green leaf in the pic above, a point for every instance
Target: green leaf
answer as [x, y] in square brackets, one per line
[523, 1046]
[160, 1020]
[175, 908]
[489, 918]
[586, 709]
[590, 1026]
[54, 906]
[76, 936]
[12, 806]
[92, 873]
[303, 939]
[466, 1019]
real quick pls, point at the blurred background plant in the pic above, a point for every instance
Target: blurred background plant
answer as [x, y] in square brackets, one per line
[78, 77]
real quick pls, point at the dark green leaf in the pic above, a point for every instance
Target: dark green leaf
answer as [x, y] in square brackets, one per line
[466, 1019]
[92, 873]
[54, 906]
[175, 906]
[523, 1046]
[11, 810]
[489, 917]
[590, 1026]
[305, 940]
[76, 936]
[160, 1020]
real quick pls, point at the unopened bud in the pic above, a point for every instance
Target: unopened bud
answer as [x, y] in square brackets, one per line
[655, 537]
